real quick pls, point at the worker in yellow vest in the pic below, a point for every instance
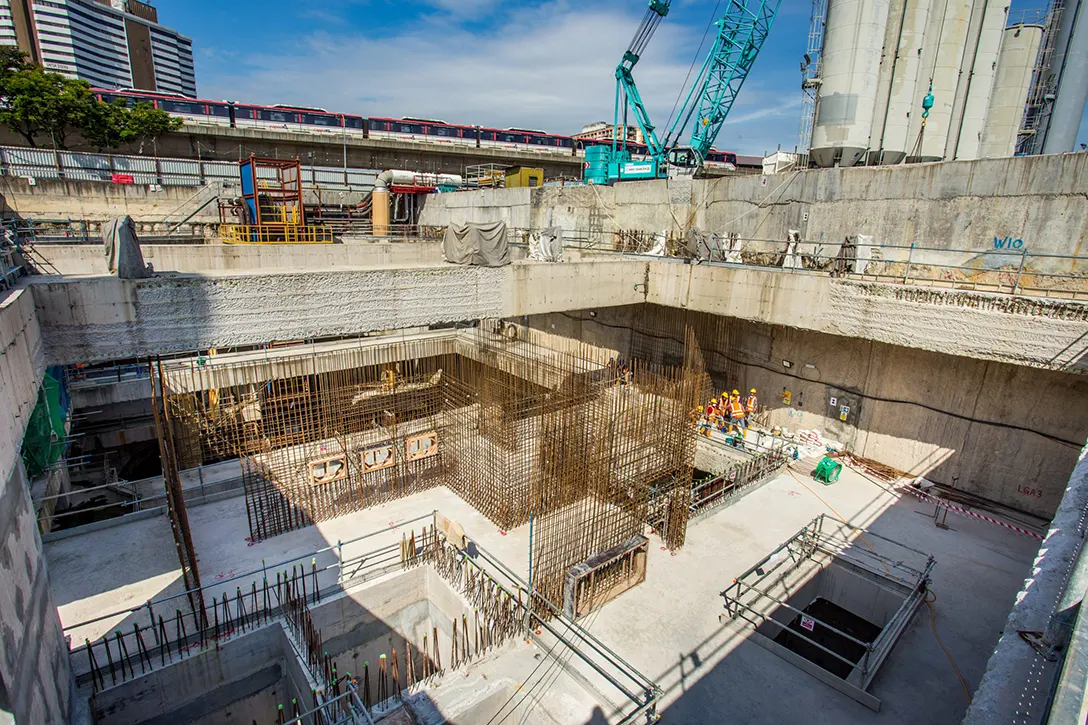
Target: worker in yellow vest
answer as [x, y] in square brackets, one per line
[751, 406]
[736, 410]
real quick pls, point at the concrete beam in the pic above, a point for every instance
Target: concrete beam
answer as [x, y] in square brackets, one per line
[1017, 330]
[103, 318]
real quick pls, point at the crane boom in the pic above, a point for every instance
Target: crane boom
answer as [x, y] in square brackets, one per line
[742, 31]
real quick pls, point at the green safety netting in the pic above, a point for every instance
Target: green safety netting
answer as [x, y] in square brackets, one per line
[46, 438]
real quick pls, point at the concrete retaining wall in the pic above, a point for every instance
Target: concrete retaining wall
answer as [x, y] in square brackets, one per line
[215, 681]
[1034, 203]
[97, 201]
[35, 675]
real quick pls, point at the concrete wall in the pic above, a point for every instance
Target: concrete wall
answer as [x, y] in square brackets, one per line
[96, 201]
[34, 670]
[103, 318]
[191, 258]
[227, 677]
[1040, 200]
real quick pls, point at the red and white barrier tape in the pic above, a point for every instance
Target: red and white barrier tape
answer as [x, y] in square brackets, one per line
[971, 514]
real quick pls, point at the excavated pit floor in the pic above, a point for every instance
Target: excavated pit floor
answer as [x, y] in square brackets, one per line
[668, 627]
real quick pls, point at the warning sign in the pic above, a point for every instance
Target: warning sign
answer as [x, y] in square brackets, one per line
[808, 623]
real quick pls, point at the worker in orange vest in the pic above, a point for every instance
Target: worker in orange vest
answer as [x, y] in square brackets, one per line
[736, 410]
[751, 407]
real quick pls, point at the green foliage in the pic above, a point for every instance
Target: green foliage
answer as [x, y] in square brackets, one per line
[45, 107]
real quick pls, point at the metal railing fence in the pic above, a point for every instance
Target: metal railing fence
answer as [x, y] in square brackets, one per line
[37, 163]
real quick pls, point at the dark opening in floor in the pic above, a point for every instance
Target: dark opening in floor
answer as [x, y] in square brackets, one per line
[823, 612]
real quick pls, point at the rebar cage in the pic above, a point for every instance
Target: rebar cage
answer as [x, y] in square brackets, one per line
[518, 423]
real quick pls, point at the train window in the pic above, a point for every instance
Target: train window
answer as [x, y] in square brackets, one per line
[379, 125]
[510, 137]
[267, 114]
[487, 135]
[447, 131]
[219, 109]
[111, 97]
[171, 106]
[409, 128]
[353, 122]
[320, 119]
[566, 143]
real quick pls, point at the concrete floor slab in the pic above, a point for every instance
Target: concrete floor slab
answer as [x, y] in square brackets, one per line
[668, 627]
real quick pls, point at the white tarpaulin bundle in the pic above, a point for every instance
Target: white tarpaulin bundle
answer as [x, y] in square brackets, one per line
[547, 245]
[484, 245]
[122, 249]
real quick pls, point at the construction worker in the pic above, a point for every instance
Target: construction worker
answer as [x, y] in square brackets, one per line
[751, 406]
[736, 410]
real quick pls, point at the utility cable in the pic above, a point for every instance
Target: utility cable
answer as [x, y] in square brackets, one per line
[933, 626]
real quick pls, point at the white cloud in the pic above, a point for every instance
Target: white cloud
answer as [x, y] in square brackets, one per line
[549, 68]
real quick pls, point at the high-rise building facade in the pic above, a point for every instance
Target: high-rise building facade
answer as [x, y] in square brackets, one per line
[108, 43]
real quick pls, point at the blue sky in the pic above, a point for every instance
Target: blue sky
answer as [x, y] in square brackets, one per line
[545, 64]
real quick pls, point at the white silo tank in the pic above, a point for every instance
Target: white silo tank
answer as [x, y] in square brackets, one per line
[1015, 66]
[979, 81]
[951, 41]
[905, 99]
[892, 30]
[853, 38]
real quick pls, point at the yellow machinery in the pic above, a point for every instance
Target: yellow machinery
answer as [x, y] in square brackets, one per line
[521, 177]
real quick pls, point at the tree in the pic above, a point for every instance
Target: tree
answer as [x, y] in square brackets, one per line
[144, 123]
[34, 103]
[115, 124]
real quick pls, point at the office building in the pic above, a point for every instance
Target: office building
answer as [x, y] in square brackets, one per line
[109, 44]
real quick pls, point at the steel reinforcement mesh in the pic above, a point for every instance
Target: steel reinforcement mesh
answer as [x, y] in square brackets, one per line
[517, 423]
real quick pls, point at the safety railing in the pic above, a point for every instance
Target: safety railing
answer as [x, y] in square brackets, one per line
[1008, 268]
[749, 597]
[714, 491]
[16, 161]
[274, 234]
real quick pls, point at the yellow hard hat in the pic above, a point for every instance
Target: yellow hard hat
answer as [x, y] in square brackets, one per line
[725, 394]
[753, 390]
[736, 392]
[700, 409]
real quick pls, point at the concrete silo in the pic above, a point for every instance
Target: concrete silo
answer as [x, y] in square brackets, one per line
[977, 79]
[853, 40]
[1070, 63]
[1015, 66]
[892, 30]
[946, 41]
[905, 94]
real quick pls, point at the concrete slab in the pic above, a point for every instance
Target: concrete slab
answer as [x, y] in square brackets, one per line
[667, 628]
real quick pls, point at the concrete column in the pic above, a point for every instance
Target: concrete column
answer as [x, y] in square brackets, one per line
[379, 212]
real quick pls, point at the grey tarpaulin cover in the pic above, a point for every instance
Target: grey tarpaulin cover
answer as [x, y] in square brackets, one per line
[123, 255]
[484, 245]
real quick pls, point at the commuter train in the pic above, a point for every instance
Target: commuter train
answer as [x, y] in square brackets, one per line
[318, 120]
